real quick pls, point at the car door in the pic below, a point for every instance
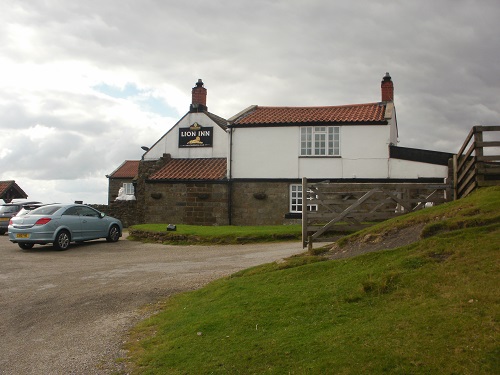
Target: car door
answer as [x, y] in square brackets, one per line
[71, 219]
[92, 224]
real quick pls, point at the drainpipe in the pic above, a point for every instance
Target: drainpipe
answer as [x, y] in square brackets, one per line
[230, 182]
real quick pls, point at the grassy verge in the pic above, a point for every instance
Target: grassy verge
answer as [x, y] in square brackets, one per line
[185, 234]
[481, 208]
[428, 308]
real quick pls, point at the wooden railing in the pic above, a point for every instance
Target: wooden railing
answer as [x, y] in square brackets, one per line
[477, 163]
[335, 208]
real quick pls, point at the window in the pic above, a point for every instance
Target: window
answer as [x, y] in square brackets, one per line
[46, 210]
[128, 188]
[11, 209]
[89, 212]
[72, 211]
[296, 200]
[320, 141]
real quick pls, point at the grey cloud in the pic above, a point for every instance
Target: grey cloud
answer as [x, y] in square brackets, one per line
[443, 57]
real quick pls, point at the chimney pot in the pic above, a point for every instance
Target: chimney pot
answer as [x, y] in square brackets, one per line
[387, 88]
[199, 98]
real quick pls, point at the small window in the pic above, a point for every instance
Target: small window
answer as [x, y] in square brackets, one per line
[296, 200]
[320, 141]
[46, 210]
[128, 188]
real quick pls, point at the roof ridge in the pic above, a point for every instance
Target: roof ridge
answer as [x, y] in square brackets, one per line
[321, 106]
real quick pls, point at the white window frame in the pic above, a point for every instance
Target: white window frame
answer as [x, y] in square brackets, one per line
[128, 188]
[296, 200]
[320, 141]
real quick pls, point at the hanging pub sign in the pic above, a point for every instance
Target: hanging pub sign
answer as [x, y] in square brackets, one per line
[196, 136]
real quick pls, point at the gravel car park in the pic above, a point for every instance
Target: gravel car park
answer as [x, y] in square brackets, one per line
[69, 312]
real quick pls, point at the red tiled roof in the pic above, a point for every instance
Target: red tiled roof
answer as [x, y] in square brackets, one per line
[356, 113]
[192, 169]
[128, 169]
[4, 185]
[10, 190]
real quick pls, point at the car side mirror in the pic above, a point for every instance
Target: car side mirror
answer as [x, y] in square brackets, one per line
[101, 214]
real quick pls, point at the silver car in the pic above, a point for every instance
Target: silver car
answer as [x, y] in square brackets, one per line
[61, 224]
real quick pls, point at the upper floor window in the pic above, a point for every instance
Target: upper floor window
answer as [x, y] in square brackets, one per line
[128, 188]
[320, 141]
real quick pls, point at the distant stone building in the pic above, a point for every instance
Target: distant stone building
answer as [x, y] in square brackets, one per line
[122, 180]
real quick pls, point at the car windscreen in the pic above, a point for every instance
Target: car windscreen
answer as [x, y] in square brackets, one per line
[8, 209]
[47, 210]
[26, 209]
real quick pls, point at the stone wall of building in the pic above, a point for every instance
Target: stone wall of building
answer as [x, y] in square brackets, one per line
[260, 203]
[126, 211]
[146, 169]
[186, 203]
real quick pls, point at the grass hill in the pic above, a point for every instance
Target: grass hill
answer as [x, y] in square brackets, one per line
[429, 307]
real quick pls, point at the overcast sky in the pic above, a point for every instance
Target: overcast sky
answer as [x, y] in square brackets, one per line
[85, 84]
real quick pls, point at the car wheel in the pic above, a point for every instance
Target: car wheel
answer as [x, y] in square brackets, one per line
[26, 246]
[62, 240]
[2, 232]
[114, 234]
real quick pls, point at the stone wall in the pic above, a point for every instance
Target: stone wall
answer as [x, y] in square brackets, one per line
[186, 203]
[146, 169]
[204, 203]
[254, 203]
[126, 211]
[261, 203]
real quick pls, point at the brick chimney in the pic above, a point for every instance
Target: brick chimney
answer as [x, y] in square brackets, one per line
[199, 95]
[387, 88]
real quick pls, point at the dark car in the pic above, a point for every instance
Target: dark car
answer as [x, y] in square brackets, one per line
[9, 210]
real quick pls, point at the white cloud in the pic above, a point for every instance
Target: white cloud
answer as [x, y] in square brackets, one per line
[61, 134]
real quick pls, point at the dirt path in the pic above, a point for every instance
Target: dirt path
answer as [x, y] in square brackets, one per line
[67, 312]
[373, 242]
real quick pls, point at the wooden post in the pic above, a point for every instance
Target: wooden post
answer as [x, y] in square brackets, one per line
[310, 245]
[478, 140]
[304, 213]
[455, 177]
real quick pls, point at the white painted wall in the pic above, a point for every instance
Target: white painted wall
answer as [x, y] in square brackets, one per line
[265, 152]
[412, 169]
[169, 143]
[273, 152]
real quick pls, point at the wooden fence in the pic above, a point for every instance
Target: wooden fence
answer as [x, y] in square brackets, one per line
[333, 208]
[477, 163]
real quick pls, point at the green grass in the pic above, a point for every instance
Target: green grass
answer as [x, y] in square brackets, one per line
[428, 308]
[214, 234]
[478, 209]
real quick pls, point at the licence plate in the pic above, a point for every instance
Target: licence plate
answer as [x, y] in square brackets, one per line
[4, 219]
[22, 235]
